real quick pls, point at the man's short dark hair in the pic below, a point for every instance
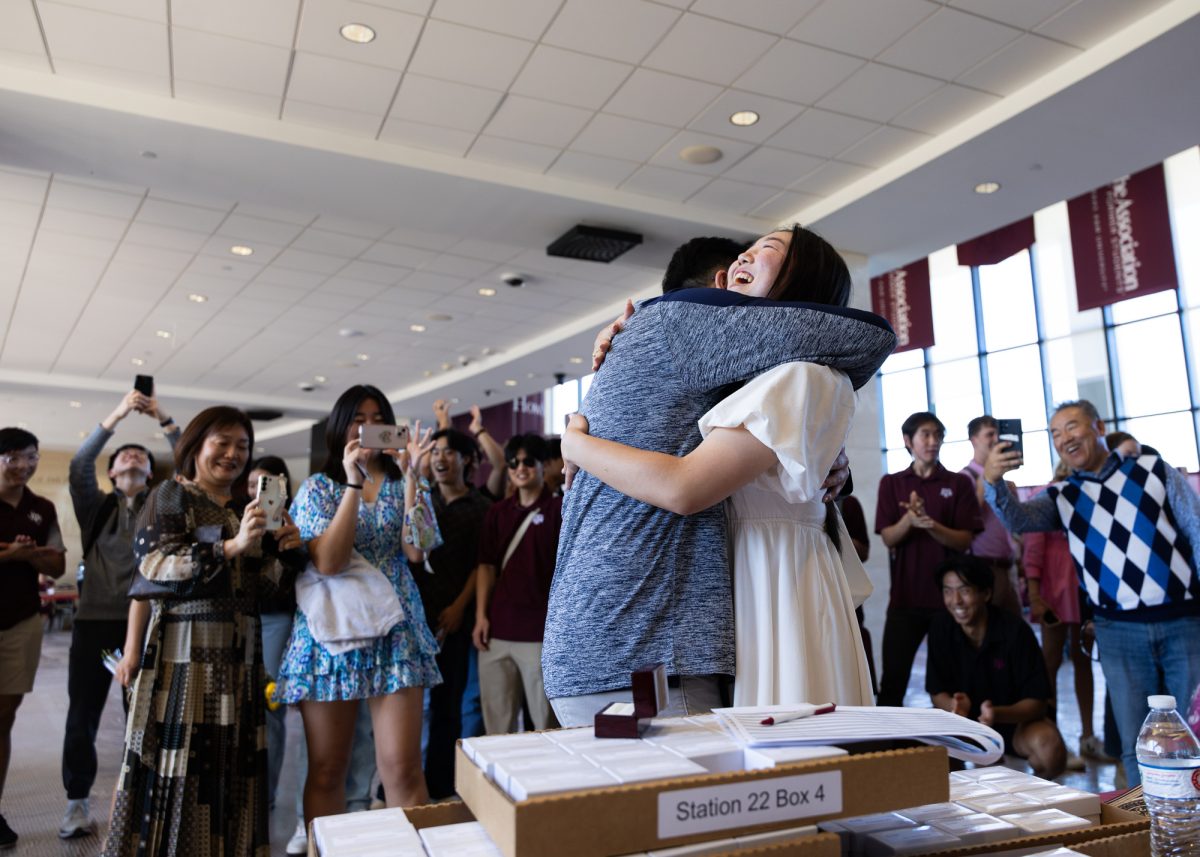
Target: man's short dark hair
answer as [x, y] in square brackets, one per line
[978, 424]
[695, 262]
[1083, 405]
[973, 571]
[15, 439]
[112, 459]
[463, 444]
[920, 418]
[534, 446]
[553, 448]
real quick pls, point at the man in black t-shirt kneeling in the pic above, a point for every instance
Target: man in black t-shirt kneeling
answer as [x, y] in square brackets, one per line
[986, 664]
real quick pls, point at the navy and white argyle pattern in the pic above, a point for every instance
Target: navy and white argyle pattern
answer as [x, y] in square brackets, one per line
[1123, 538]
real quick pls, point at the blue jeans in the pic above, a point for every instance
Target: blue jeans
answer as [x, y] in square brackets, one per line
[276, 628]
[1141, 659]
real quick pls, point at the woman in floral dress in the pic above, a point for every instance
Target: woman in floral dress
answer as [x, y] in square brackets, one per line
[193, 781]
[357, 503]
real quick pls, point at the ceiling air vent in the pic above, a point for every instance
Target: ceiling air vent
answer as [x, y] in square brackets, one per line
[593, 244]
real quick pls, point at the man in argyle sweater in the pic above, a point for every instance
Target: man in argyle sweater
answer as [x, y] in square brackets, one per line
[1133, 525]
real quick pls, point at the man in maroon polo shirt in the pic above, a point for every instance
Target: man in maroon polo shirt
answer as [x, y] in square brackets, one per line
[924, 513]
[517, 551]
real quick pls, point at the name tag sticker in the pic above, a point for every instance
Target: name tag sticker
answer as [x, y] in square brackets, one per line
[208, 534]
[683, 812]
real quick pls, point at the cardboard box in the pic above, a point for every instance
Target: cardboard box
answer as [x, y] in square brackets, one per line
[627, 819]
[1113, 822]
[1127, 845]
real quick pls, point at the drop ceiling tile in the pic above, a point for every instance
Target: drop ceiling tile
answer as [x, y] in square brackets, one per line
[731, 197]
[241, 228]
[430, 282]
[618, 137]
[338, 83]
[224, 267]
[944, 109]
[732, 151]
[283, 215]
[796, 72]
[617, 29]
[441, 102]
[395, 33]
[689, 48]
[418, 237]
[340, 285]
[494, 251]
[512, 153]
[1018, 64]
[155, 84]
[820, 132]
[22, 187]
[81, 223]
[332, 118]
[347, 226]
[98, 38]
[829, 177]
[227, 62]
[464, 55]
[1088, 22]
[861, 27]
[773, 115]
[533, 121]
[457, 266]
[290, 277]
[526, 19]
[21, 59]
[272, 22]
[1023, 14]
[192, 217]
[774, 168]
[400, 255]
[431, 138]
[77, 197]
[594, 169]
[882, 146]
[568, 77]
[316, 263]
[192, 198]
[773, 16]
[878, 92]
[664, 183]
[153, 235]
[658, 97]
[231, 99]
[19, 31]
[948, 43]
[333, 243]
[149, 10]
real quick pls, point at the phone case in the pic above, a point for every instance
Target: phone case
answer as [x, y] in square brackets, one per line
[272, 490]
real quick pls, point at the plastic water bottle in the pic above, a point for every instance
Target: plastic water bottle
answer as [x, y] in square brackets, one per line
[1168, 757]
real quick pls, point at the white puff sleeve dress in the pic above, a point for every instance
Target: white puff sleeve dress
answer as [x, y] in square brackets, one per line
[794, 593]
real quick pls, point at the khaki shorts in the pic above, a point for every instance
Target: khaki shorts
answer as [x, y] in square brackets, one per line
[20, 651]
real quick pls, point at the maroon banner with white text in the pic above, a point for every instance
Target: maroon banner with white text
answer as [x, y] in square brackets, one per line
[1121, 240]
[902, 297]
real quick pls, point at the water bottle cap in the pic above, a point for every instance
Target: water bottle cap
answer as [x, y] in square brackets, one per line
[1161, 702]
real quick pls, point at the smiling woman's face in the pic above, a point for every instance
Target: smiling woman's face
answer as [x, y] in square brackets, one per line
[755, 270]
[222, 457]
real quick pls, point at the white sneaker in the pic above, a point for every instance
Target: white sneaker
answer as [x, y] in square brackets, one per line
[76, 821]
[298, 844]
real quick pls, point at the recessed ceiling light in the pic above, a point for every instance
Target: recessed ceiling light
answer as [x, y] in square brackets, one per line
[446, 367]
[197, 299]
[417, 328]
[320, 379]
[75, 404]
[241, 250]
[163, 334]
[701, 154]
[428, 374]
[23, 425]
[362, 355]
[440, 316]
[576, 360]
[486, 292]
[349, 332]
[987, 187]
[510, 383]
[744, 118]
[360, 34]
[137, 361]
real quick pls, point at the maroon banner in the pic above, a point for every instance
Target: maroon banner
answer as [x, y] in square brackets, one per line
[998, 245]
[902, 297]
[519, 416]
[1121, 240]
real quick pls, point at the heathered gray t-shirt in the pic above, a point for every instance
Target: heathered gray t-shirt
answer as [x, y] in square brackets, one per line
[636, 585]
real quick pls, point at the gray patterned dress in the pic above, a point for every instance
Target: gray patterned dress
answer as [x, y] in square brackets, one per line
[193, 781]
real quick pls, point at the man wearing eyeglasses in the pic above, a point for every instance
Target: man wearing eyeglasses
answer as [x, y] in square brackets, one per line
[30, 545]
[516, 565]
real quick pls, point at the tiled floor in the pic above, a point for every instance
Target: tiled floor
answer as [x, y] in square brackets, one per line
[34, 800]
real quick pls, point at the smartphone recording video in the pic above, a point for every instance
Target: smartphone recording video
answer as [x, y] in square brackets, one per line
[383, 437]
[1010, 431]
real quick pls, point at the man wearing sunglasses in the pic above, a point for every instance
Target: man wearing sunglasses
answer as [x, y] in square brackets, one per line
[517, 551]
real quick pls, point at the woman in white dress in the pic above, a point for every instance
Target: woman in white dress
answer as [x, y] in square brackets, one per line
[768, 445]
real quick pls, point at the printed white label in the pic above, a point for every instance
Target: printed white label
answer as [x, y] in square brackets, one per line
[684, 812]
[1171, 782]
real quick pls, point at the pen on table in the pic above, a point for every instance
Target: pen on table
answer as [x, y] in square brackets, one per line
[776, 719]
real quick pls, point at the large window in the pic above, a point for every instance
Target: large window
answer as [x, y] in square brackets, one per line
[1012, 342]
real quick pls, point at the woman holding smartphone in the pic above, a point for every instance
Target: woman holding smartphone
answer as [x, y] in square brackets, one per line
[356, 503]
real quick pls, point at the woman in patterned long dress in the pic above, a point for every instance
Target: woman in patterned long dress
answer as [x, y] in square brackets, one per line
[338, 510]
[194, 778]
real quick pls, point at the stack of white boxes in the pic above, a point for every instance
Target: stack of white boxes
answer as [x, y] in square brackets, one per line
[383, 833]
[986, 805]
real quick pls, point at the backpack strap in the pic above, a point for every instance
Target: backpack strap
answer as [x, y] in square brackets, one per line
[103, 512]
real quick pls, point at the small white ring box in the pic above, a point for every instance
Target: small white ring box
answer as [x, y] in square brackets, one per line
[977, 828]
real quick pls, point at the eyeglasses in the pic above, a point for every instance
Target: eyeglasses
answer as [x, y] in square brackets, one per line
[514, 463]
[9, 459]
